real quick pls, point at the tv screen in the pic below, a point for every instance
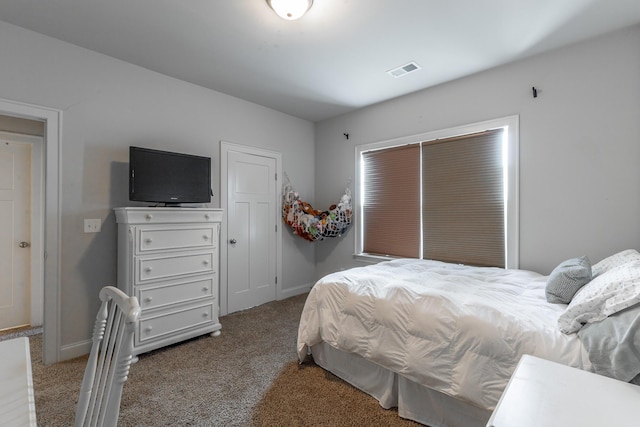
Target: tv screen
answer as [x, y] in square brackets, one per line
[167, 177]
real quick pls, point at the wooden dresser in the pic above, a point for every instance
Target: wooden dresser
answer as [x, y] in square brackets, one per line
[168, 258]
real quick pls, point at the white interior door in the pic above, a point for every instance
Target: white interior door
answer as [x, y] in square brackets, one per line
[251, 230]
[15, 215]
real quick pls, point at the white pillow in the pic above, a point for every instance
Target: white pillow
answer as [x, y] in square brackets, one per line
[614, 261]
[612, 291]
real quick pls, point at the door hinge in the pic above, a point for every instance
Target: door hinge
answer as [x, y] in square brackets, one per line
[276, 227]
[276, 280]
[276, 174]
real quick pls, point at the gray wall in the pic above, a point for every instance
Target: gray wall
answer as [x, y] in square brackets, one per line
[579, 146]
[108, 105]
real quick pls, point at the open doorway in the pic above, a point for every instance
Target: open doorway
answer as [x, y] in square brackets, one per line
[46, 218]
[21, 244]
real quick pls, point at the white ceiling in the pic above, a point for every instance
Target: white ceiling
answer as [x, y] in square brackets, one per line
[333, 60]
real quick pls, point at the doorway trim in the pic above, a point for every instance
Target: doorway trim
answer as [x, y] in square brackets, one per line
[49, 219]
[225, 148]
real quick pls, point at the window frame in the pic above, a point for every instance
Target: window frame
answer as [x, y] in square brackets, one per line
[512, 205]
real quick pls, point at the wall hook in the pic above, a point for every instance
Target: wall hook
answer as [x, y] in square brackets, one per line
[346, 135]
[534, 91]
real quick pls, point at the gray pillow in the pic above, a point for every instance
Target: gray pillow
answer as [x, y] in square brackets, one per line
[566, 279]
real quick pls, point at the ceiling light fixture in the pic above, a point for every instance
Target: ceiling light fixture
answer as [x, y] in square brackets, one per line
[290, 9]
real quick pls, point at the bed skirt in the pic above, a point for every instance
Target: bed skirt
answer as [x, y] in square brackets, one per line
[414, 401]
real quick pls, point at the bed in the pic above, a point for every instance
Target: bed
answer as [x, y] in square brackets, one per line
[440, 341]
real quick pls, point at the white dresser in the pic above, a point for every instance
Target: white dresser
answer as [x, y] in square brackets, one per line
[168, 259]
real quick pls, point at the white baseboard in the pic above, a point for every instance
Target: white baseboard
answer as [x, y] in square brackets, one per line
[292, 292]
[84, 347]
[75, 350]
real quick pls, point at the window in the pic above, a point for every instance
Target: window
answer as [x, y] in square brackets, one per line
[449, 195]
[391, 205]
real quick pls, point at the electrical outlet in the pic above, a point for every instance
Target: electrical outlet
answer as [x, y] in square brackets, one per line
[92, 225]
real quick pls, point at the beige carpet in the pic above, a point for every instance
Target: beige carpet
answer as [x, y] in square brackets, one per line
[249, 376]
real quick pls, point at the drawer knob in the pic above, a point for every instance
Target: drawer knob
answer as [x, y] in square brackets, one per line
[148, 216]
[148, 269]
[148, 240]
[205, 237]
[148, 329]
[148, 299]
[206, 216]
[205, 314]
[205, 289]
[205, 262]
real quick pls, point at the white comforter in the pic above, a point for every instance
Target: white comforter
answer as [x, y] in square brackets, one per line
[457, 329]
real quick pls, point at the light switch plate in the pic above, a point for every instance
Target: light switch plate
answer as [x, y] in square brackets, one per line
[92, 225]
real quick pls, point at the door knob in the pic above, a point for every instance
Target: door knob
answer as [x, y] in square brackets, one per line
[233, 241]
[24, 244]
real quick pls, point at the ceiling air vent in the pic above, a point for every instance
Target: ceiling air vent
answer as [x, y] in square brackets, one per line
[404, 70]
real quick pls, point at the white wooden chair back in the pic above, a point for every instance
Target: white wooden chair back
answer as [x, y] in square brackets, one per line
[109, 361]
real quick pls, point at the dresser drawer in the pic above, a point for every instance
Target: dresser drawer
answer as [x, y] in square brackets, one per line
[167, 215]
[158, 326]
[151, 297]
[172, 238]
[165, 267]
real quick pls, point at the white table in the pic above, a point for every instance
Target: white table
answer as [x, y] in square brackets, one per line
[17, 404]
[547, 394]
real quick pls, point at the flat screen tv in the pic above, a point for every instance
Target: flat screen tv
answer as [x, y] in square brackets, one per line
[167, 177]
